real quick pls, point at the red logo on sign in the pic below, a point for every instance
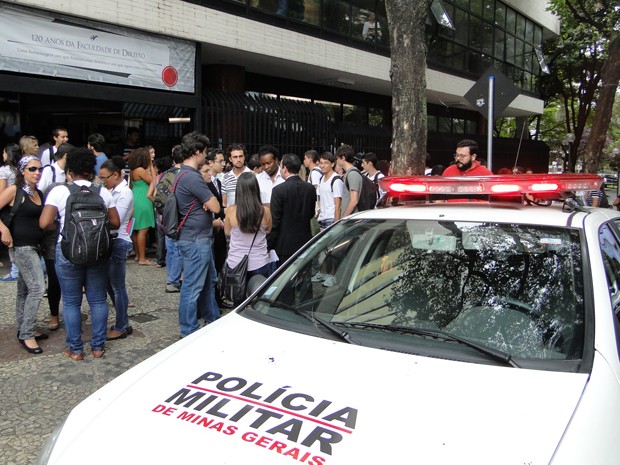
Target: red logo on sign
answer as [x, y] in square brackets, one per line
[170, 76]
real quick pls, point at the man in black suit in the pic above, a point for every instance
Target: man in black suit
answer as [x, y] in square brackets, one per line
[292, 207]
[216, 163]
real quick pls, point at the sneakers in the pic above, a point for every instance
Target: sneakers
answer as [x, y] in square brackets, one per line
[171, 289]
[317, 278]
[329, 281]
[8, 279]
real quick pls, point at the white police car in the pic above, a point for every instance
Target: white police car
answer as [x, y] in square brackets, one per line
[453, 332]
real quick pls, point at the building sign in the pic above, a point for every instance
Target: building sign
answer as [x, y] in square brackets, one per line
[40, 43]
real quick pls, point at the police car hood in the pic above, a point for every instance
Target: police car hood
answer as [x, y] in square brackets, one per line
[240, 392]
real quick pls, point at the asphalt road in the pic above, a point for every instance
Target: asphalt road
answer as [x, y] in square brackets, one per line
[38, 391]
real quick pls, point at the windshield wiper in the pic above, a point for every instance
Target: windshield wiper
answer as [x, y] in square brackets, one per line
[343, 335]
[494, 354]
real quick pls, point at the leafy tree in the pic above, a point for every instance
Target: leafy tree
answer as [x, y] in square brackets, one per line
[406, 24]
[585, 68]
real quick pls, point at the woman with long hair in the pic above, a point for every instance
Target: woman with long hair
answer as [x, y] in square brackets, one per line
[248, 221]
[23, 237]
[8, 165]
[111, 174]
[139, 162]
[11, 155]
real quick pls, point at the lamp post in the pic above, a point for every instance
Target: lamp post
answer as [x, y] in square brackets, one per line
[567, 142]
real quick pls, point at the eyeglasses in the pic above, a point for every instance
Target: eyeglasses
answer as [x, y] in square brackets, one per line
[461, 155]
[32, 169]
[103, 178]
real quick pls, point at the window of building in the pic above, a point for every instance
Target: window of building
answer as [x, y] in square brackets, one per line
[470, 127]
[354, 114]
[376, 117]
[475, 33]
[333, 108]
[488, 10]
[520, 27]
[529, 31]
[337, 16]
[431, 123]
[537, 35]
[487, 39]
[312, 12]
[500, 15]
[500, 44]
[465, 33]
[475, 6]
[519, 53]
[510, 48]
[458, 126]
[511, 20]
[444, 125]
[461, 26]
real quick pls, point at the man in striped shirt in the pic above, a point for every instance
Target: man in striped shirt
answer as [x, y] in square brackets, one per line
[236, 154]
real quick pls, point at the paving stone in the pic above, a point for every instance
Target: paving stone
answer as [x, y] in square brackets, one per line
[38, 391]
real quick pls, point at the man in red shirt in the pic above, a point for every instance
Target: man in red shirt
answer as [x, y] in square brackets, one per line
[466, 163]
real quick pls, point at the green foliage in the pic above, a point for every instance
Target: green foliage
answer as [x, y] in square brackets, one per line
[576, 58]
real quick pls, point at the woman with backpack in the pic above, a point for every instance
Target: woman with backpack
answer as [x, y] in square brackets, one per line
[23, 236]
[111, 174]
[73, 277]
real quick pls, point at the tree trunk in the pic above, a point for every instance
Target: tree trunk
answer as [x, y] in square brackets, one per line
[610, 76]
[406, 22]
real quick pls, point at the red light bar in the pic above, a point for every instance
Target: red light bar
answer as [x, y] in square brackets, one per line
[491, 185]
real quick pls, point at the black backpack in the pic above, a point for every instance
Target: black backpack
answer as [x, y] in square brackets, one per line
[86, 232]
[368, 195]
[163, 189]
[170, 224]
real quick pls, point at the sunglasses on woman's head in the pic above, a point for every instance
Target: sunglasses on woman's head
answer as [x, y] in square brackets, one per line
[32, 169]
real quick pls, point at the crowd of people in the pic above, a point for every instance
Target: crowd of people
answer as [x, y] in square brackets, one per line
[265, 206]
[230, 205]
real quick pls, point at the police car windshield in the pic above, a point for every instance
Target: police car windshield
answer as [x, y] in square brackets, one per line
[514, 288]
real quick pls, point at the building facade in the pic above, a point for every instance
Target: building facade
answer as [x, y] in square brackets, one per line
[298, 74]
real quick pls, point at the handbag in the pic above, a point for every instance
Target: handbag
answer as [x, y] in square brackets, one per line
[8, 212]
[233, 282]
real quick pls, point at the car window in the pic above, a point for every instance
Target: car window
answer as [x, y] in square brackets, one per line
[514, 288]
[610, 249]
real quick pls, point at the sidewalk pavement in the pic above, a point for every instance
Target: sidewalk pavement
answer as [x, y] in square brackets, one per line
[38, 391]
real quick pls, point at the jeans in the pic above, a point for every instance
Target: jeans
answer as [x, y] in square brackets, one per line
[53, 287]
[93, 279]
[30, 289]
[161, 247]
[116, 281]
[14, 273]
[174, 262]
[197, 298]
[265, 270]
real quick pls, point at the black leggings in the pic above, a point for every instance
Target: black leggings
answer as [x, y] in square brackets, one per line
[53, 287]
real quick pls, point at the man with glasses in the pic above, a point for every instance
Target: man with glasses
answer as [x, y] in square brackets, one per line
[466, 163]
